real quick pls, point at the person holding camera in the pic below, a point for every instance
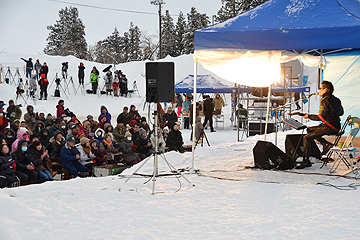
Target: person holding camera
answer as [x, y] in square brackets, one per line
[94, 79]
[81, 73]
[29, 67]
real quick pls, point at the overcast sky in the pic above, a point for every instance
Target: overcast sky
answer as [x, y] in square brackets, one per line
[23, 22]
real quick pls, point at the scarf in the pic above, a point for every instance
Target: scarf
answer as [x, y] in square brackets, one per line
[107, 143]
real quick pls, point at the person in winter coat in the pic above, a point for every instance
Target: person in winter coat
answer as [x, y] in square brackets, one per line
[179, 102]
[25, 169]
[99, 155]
[44, 69]
[119, 132]
[44, 137]
[38, 155]
[198, 128]
[8, 167]
[29, 67]
[16, 126]
[56, 126]
[143, 144]
[165, 133]
[185, 108]
[128, 150]
[115, 86]
[108, 78]
[88, 130]
[57, 143]
[175, 140]
[107, 147]
[81, 73]
[21, 135]
[104, 111]
[94, 80]
[44, 82]
[64, 68]
[103, 121]
[135, 132]
[160, 141]
[99, 135]
[30, 117]
[208, 111]
[86, 155]
[13, 112]
[37, 68]
[143, 124]
[124, 116]
[26, 128]
[9, 136]
[3, 121]
[133, 112]
[170, 118]
[38, 127]
[218, 102]
[70, 156]
[198, 110]
[108, 128]
[60, 110]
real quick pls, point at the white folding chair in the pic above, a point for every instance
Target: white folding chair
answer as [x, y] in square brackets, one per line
[346, 153]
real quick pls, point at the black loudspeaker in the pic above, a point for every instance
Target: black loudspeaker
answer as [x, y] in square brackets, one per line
[267, 156]
[292, 140]
[160, 82]
[254, 128]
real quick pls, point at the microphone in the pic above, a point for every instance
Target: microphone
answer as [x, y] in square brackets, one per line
[312, 94]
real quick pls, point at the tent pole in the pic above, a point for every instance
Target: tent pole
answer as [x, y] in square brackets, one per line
[194, 116]
[267, 113]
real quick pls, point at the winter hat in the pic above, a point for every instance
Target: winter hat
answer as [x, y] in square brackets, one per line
[99, 133]
[53, 118]
[11, 101]
[84, 140]
[141, 131]
[80, 133]
[132, 123]
[166, 128]
[36, 143]
[143, 119]
[89, 116]
[131, 106]
[92, 141]
[126, 108]
[16, 120]
[28, 107]
[57, 132]
[48, 124]
[106, 125]
[71, 125]
[120, 120]
[127, 134]
[87, 124]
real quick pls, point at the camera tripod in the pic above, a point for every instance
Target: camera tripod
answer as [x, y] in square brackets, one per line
[58, 87]
[82, 88]
[68, 83]
[202, 136]
[9, 76]
[173, 169]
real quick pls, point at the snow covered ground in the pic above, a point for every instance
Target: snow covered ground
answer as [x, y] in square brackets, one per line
[228, 200]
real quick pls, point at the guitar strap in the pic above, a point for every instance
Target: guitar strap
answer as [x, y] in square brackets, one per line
[327, 123]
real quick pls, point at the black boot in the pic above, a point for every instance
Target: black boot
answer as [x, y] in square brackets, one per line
[304, 164]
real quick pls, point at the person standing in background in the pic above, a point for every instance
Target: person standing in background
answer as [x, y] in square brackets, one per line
[81, 73]
[29, 67]
[44, 70]
[37, 68]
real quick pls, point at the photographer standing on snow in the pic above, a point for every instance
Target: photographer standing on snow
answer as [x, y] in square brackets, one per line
[29, 67]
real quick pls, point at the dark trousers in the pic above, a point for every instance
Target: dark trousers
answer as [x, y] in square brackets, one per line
[94, 87]
[81, 80]
[29, 175]
[210, 119]
[73, 169]
[28, 73]
[176, 148]
[315, 132]
[43, 92]
[186, 123]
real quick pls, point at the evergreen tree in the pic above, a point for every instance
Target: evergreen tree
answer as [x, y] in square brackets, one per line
[232, 8]
[168, 35]
[180, 30]
[67, 35]
[195, 21]
[134, 51]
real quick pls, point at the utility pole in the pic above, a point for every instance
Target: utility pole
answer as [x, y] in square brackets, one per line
[159, 2]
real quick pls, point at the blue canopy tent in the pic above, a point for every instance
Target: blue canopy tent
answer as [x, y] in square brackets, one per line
[205, 84]
[265, 32]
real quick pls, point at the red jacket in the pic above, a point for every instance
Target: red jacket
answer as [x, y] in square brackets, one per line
[59, 111]
[3, 124]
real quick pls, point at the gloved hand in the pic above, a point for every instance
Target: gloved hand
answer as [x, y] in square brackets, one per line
[11, 162]
[133, 147]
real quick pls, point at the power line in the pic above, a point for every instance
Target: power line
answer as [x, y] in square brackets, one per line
[111, 9]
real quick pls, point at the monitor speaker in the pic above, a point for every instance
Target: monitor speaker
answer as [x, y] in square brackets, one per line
[268, 156]
[293, 140]
[160, 82]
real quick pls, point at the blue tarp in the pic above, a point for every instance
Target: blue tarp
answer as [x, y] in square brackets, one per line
[205, 84]
[287, 25]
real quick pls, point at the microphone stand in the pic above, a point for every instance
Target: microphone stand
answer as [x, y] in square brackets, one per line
[287, 104]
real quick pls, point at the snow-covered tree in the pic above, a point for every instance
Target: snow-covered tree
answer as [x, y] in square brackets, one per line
[149, 45]
[195, 21]
[134, 50]
[231, 8]
[180, 30]
[67, 35]
[168, 35]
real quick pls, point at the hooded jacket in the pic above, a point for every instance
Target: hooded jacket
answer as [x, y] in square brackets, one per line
[127, 152]
[44, 139]
[218, 102]
[3, 122]
[20, 157]
[68, 156]
[35, 157]
[107, 114]
[56, 147]
[9, 141]
[59, 111]
[84, 158]
[19, 137]
[174, 138]
[13, 112]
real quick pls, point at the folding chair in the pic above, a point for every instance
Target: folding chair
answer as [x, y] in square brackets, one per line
[337, 139]
[346, 153]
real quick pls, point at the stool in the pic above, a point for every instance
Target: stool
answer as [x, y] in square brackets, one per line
[65, 174]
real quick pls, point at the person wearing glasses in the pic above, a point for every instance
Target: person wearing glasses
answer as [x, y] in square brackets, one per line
[329, 114]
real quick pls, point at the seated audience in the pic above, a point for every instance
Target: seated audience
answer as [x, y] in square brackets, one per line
[128, 150]
[69, 158]
[143, 144]
[175, 140]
